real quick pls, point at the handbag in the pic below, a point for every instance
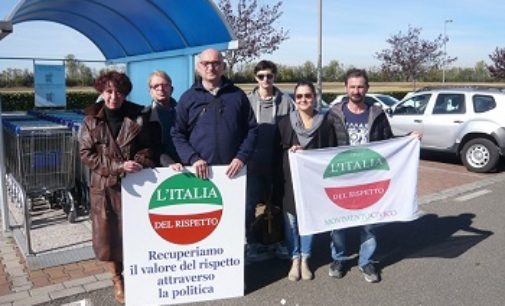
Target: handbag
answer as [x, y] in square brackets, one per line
[268, 226]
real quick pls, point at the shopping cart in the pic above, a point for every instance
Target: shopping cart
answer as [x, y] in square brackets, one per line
[73, 120]
[40, 162]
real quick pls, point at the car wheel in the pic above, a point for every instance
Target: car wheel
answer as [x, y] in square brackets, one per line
[480, 155]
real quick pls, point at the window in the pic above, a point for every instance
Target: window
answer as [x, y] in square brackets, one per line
[483, 103]
[413, 106]
[369, 101]
[449, 104]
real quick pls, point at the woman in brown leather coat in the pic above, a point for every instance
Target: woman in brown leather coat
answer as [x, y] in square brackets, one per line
[116, 139]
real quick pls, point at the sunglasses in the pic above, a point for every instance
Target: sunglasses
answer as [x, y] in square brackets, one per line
[307, 96]
[261, 76]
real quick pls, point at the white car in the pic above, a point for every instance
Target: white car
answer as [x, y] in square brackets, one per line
[384, 101]
[468, 122]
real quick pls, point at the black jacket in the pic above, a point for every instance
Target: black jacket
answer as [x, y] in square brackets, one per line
[378, 124]
[285, 138]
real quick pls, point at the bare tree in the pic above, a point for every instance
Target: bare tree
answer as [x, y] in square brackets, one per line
[497, 70]
[410, 56]
[254, 28]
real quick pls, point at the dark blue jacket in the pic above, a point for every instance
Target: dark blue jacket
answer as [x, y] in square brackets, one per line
[216, 128]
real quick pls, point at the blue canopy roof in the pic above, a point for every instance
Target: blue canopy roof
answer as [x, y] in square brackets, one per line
[129, 28]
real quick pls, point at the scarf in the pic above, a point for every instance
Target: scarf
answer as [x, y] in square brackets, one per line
[305, 135]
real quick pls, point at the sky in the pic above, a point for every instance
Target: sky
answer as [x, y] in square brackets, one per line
[353, 31]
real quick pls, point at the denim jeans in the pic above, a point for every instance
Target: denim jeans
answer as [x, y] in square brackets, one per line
[258, 189]
[297, 245]
[367, 248]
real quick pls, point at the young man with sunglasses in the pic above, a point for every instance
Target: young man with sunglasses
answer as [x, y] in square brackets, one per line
[269, 103]
[214, 124]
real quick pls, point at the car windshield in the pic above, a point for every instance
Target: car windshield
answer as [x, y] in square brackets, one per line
[389, 101]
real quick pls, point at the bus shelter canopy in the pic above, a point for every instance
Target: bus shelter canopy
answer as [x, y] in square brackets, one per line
[128, 28]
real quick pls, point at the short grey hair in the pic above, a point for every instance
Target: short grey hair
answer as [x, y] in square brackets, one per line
[161, 74]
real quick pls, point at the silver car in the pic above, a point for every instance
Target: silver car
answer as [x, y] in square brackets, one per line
[382, 100]
[469, 122]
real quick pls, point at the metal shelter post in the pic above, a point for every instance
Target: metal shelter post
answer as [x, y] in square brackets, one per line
[5, 207]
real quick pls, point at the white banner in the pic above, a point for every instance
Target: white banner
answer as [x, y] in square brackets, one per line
[183, 237]
[350, 186]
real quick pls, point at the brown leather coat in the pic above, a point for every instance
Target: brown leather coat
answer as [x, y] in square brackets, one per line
[105, 157]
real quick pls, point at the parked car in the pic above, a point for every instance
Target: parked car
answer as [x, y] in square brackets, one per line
[382, 100]
[468, 122]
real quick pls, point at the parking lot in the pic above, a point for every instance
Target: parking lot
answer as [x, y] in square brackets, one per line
[436, 260]
[438, 172]
[441, 178]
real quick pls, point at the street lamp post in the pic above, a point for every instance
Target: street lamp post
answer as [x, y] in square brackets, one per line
[445, 48]
[319, 56]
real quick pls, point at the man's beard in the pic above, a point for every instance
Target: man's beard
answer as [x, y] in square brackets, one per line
[356, 98]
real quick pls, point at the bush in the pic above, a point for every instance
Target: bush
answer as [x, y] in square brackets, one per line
[24, 101]
[330, 96]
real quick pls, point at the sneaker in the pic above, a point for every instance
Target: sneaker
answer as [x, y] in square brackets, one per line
[337, 269]
[370, 273]
[280, 251]
[257, 252]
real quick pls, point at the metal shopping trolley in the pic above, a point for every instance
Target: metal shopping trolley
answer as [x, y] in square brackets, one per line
[73, 120]
[40, 162]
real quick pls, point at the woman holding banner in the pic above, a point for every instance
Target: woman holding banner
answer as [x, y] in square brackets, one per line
[302, 129]
[116, 138]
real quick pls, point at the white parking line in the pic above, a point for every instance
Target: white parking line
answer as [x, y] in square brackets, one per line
[472, 195]
[84, 302]
[436, 168]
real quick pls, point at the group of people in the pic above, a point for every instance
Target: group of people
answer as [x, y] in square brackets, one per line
[216, 123]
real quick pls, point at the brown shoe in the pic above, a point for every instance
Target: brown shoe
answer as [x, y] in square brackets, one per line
[118, 291]
[116, 269]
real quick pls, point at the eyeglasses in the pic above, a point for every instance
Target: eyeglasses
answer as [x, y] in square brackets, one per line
[261, 76]
[214, 64]
[307, 96]
[161, 86]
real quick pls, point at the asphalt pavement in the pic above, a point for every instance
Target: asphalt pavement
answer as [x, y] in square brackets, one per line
[452, 255]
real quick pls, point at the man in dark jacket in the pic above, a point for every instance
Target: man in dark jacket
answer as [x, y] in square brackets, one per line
[356, 123]
[215, 124]
[162, 111]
